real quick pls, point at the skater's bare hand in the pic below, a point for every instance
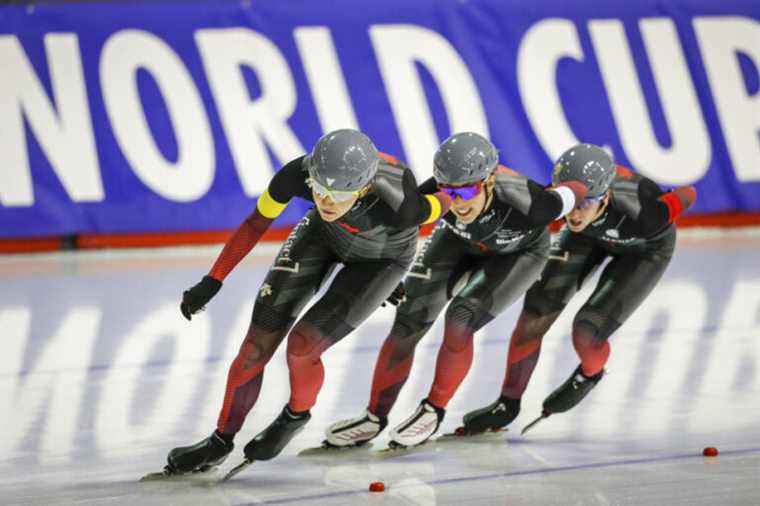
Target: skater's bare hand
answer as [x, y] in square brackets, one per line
[397, 296]
[196, 298]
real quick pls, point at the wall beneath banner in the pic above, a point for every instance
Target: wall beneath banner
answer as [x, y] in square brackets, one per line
[172, 116]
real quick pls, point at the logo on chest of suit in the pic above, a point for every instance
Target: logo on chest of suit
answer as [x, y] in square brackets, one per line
[506, 236]
[488, 216]
[613, 233]
[458, 228]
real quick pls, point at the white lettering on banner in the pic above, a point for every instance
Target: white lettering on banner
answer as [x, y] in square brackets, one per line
[731, 350]
[64, 131]
[328, 87]
[123, 55]
[720, 39]
[736, 341]
[398, 48]
[542, 47]
[55, 385]
[688, 158]
[249, 124]
[115, 431]
[641, 347]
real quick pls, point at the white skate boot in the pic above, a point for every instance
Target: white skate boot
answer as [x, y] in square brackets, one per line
[355, 431]
[418, 428]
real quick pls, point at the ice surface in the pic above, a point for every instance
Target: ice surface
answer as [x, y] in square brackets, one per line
[100, 376]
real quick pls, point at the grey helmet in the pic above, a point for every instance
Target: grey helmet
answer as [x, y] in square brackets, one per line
[343, 160]
[587, 163]
[464, 158]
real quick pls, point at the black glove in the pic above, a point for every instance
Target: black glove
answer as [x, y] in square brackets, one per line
[397, 296]
[194, 299]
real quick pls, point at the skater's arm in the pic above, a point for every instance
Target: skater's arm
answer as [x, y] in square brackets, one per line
[287, 183]
[419, 208]
[659, 209]
[428, 187]
[246, 236]
[540, 205]
[411, 206]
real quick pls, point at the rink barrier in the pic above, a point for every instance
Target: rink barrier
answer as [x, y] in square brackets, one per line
[167, 239]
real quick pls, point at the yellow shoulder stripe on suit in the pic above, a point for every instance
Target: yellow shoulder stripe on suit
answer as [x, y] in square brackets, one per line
[269, 207]
[435, 209]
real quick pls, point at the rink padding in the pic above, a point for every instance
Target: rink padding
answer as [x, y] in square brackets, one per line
[158, 240]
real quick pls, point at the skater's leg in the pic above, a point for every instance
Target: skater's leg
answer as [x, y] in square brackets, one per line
[572, 260]
[394, 363]
[341, 309]
[493, 287]
[429, 286]
[624, 284]
[302, 264]
[354, 294]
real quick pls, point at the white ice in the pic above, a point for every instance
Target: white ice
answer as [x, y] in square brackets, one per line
[100, 376]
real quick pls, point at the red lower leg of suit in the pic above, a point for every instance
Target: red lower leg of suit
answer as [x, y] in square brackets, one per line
[243, 386]
[454, 361]
[305, 347]
[524, 349]
[592, 350]
[391, 372]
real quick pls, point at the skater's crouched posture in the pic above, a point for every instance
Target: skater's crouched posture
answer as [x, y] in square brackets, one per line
[626, 218]
[482, 256]
[368, 209]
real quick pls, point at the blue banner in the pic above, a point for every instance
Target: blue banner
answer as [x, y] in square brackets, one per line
[173, 116]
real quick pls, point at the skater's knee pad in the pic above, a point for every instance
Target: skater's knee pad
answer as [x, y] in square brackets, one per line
[467, 314]
[594, 322]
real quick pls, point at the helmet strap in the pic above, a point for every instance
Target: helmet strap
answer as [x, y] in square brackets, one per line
[603, 206]
[488, 188]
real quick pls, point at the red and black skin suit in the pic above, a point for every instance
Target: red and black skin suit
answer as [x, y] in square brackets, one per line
[375, 241]
[636, 232]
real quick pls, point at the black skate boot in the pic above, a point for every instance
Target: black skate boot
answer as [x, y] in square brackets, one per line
[571, 392]
[270, 442]
[493, 417]
[568, 395]
[198, 458]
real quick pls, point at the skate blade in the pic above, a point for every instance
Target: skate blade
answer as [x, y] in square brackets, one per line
[325, 449]
[235, 470]
[461, 434]
[532, 424]
[398, 450]
[161, 475]
[166, 475]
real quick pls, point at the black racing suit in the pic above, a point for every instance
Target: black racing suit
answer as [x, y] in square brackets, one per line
[375, 242]
[483, 266]
[636, 233]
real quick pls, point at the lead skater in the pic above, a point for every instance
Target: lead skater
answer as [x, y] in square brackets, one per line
[368, 209]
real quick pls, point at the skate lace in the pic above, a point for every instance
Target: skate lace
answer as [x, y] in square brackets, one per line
[355, 434]
[417, 429]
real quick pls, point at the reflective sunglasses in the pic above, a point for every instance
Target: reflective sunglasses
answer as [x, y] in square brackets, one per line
[466, 192]
[335, 195]
[588, 202]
